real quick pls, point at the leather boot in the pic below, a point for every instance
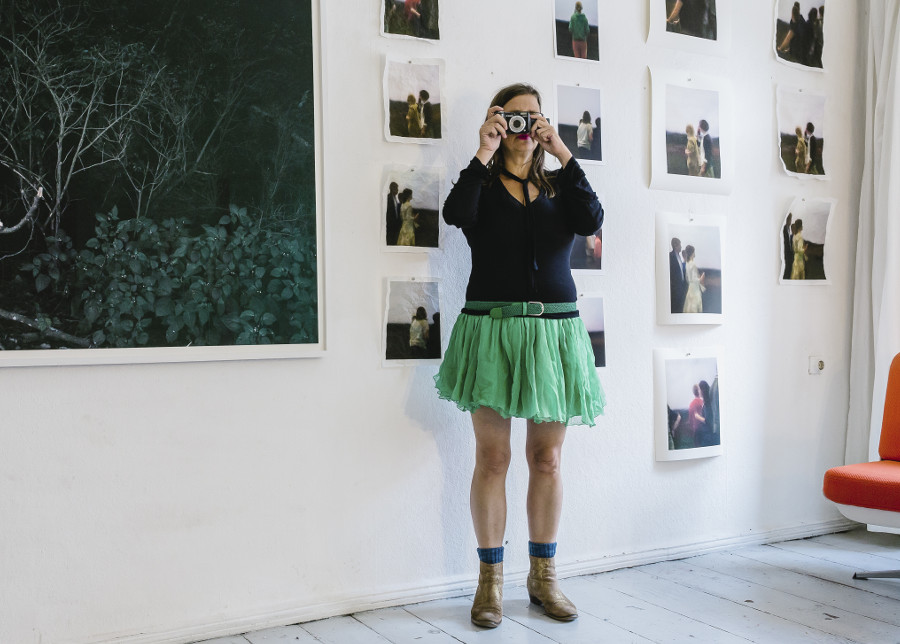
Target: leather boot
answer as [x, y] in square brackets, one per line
[487, 609]
[543, 590]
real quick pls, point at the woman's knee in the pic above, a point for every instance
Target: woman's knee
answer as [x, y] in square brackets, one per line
[545, 460]
[493, 459]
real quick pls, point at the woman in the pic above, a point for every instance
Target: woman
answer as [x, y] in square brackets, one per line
[580, 30]
[692, 152]
[412, 117]
[418, 333]
[585, 136]
[796, 41]
[519, 349]
[693, 300]
[801, 152]
[798, 270]
[407, 236]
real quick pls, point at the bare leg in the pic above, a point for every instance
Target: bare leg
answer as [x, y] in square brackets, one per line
[488, 495]
[543, 449]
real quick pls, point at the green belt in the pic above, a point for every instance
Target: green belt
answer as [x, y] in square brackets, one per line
[498, 310]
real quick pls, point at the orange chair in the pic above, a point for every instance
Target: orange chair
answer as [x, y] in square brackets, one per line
[870, 492]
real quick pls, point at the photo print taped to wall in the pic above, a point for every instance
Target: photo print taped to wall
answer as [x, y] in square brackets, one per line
[688, 416]
[799, 39]
[804, 241]
[691, 136]
[689, 268]
[579, 121]
[412, 322]
[413, 90]
[576, 29]
[699, 26]
[418, 19]
[411, 201]
[591, 311]
[802, 132]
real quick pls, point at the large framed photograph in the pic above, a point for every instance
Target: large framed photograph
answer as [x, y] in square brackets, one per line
[691, 136]
[412, 200]
[412, 322]
[160, 182]
[799, 39]
[579, 121]
[804, 241]
[590, 308]
[418, 19]
[576, 29]
[689, 268]
[412, 100]
[801, 132]
[687, 411]
[699, 26]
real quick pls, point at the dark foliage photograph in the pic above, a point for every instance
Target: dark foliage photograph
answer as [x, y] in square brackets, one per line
[800, 32]
[411, 18]
[157, 174]
[576, 29]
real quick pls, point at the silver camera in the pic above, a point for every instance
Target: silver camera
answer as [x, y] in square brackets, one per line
[518, 122]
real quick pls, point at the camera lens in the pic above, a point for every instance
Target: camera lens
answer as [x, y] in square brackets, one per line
[516, 123]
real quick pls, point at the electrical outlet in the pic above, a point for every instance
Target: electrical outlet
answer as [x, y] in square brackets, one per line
[816, 365]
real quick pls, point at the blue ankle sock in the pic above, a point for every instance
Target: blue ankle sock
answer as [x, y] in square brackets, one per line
[490, 555]
[543, 550]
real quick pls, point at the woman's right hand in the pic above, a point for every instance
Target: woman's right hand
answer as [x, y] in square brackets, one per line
[491, 133]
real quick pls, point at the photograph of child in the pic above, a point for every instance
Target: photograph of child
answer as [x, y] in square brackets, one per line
[412, 100]
[411, 215]
[579, 120]
[801, 132]
[590, 307]
[576, 29]
[412, 326]
[803, 241]
[411, 18]
[800, 32]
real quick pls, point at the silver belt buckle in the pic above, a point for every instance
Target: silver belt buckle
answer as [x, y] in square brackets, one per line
[536, 315]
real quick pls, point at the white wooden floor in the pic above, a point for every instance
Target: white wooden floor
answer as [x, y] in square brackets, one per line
[795, 591]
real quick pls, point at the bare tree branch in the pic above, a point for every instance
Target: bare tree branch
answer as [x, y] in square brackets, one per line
[49, 332]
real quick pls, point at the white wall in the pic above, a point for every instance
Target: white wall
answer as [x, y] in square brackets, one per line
[171, 502]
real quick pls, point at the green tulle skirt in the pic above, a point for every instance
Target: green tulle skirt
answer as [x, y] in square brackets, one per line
[523, 367]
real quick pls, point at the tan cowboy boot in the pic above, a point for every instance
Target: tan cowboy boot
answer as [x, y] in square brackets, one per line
[487, 609]
[543, 590]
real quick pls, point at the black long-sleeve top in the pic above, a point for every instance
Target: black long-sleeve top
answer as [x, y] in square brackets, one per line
[519, 253]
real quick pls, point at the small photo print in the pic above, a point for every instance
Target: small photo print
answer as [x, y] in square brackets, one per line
[804, 236]
[800, 33]
[411, 19]
[579, 116]
[689, 269]
[694, 18]
[587, 253]
[696, 26]
[412, 100]
[590, 307]
[412, 322]
[688, 418]
[576, 29]
[411, 211]
[801, 132]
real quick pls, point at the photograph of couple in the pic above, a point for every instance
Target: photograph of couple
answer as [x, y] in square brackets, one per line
[412, 92]
[802, 146]
[692, 403]
[412, 328]
[800, 32]
[411, 214]
[803, 240]
[579, 116]
[692, 134]
[694, 254]
[413, 18]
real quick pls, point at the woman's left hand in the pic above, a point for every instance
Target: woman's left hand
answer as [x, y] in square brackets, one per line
[548, 139]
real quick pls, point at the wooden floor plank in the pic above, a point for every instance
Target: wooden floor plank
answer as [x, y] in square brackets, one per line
[400, 626]
[341, 630]
[453, 617]
[231, 639]
[282, 635]
[802, 585]
[877, 543]
[827, 619]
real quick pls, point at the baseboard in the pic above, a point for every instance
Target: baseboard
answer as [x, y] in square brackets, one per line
[455, 587]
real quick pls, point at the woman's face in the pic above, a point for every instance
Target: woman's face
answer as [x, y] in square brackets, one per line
[522, 143]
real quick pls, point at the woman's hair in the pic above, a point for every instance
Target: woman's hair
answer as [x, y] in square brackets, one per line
[689, 130]
[410, 99]
[406, 195]
[798, 132]
[795, 11]
[578, 7]
[586, 117]
[536, 174]
[421, 314]
[688, 252]
[704, 391]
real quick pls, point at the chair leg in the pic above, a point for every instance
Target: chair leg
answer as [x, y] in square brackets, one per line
[881, 574]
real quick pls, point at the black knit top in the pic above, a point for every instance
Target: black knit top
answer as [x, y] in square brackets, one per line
[521, 253]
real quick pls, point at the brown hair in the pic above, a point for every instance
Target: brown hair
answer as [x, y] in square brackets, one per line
[536, 173]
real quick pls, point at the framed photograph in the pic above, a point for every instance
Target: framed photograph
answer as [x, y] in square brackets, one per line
[412, 322]
[417, 19]
[590, 307]
[576, 31]
[187, 225]
[699, 26]
[579, 121]
[411, 206]
[690, 133]
[688, 416]
[587, 254]
[689, 272]
[800, 33]
[412, 100]
[804, 239]
[801, 132]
